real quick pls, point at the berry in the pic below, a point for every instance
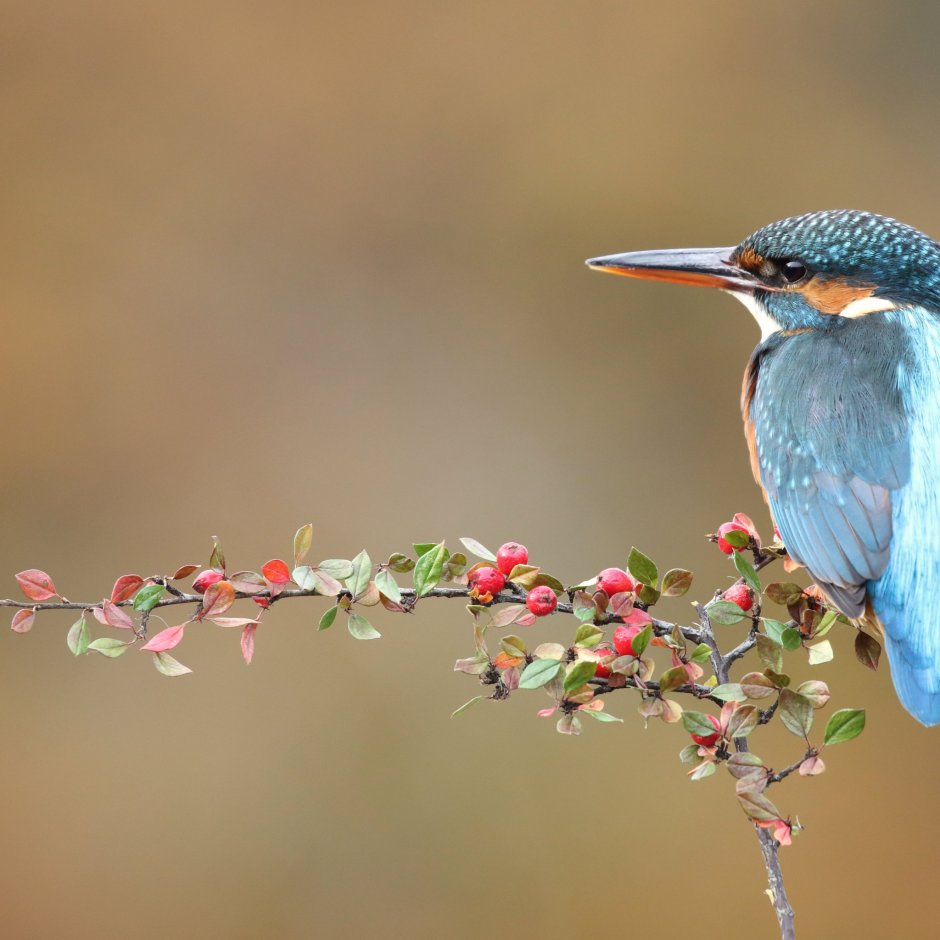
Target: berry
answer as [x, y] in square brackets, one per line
[707, 740]
[614, 581]
[603, 671]
[510, 555]
[723, 529]
[541, 600]
[741, 595]
[207, 577]
[487, 580]
[623, 640]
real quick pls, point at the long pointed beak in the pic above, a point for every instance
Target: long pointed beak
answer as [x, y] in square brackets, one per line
[703, 267]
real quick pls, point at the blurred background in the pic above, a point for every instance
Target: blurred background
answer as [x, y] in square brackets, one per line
[266, 264]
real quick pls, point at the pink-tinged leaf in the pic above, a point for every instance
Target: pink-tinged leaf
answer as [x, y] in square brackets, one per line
[23, 621]
[637, 618]
[547, 712]
[507, 614]
[780, 828]
[248, 582]
[125, 587]
[276, 572]
[113, 616]
[234, 621]
[812, 767]
[745, 522]
[169, 666]
[303, 538]
[184, 571]
[526, 619]
[165, 639]
[217, 599]
[248, 643]
[36, 584]
[622, 604]
[595, 705]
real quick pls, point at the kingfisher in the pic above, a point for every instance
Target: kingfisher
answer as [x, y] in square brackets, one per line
[841, 408]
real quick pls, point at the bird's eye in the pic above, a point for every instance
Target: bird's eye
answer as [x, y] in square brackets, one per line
[793, 271]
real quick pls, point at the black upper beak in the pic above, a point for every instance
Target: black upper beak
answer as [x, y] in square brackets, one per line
[704, 267]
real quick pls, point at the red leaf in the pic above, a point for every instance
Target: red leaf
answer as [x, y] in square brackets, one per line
[638, 618]
[217, 599]
[23, 621]
[165, 639]
[36, 584]
[125, 587]
[115, 617]
[248, 642]
[276, 571]
[184, 572]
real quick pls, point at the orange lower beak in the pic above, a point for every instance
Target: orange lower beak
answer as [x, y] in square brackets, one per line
[702, 267]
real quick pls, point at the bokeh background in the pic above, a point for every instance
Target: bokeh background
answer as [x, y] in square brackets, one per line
[265, 263]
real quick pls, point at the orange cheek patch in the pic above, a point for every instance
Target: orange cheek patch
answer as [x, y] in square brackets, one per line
[749, 259]
[833, 295]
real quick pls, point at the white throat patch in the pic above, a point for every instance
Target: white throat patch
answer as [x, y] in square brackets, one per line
[768, 326]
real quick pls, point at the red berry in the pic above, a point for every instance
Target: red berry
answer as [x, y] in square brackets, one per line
[741, 595]
[623, 640]
[207, 577]
[707, 740]
[723, 529]
[603, 671]
[510, 555]
[614, 581]
[541, 600]
[487, 580]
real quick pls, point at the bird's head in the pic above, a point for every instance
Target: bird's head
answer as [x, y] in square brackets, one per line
[813, 271]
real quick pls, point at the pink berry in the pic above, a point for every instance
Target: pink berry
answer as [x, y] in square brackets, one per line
[623, 640]
[707, 740]
[510, 555]
[207, 577]
[615, 581]
[487, 580]
[741, 595]
[541, 600]
[723, 529]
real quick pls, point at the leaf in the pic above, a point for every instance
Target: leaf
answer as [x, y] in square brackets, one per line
[338, 568]
[796, 712]
[820, 653]
[427, 571]
[165, 639]
[736, 538]
[771, 654]
[588, 635]
[476, 548]
[466, 705]
[248, 643]
[791, 639]
[513, 645]
[845, 724]
[218, 598]
[746, 570]
[813, 766]
[641, 641]
[147, 597]
[234, 621]
[725, 613]
[550, 651]
[169, 666]
[642, 568]
[538, 673]
[827, 622]
[730, 692]
[814, 691]
[248, 582]
[756, 685]
[673, 678]
[184, 571]
[326, 621]
[113, 616]
[757, 806]
[600, 716]
[701, 654]
[568, 724]
[78, 636]
[36, 584]
[744, 764]
[578, 674]
[775, 629]
[125, 587]
[400, 563]
[705, 769]
[361, 629]
[783, 593]
[697, 723]
[23, 620]
[388, 585]
[217, 556]
[676, 582]
[303, 539]
[275, 571]
[358, 580]
[743, 721]
[108, 646]
[867, 650]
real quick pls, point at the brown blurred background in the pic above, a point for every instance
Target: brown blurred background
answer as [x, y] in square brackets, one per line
[271, 263]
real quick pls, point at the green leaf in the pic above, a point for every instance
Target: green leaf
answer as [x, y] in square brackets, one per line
[775, 629]
[361, 629]
[820, 653]
[737, 539]
[673, 678]
[796, 712]
[422, 548]
[642, 568]
[338, 568]
[588, 635]
[400, 563]
[649, 595]
[358, 580]
[689, 754]
[816, 692]
[513, 645]
[108, 646]
[169, 666]
[744, 764]
[845, 724]
[746, 570]
[600, 716]
[743, 721]
[642, 640]
[475, 548]
[783, 593]
[427, 571]
[326, 621]
[771, 654]
[701, 654]
[867, 650]
[538, 673]
[791, 639]
[705, 769]
[466, 705]
[729, 692]
[697, 723]
[725, 613]
[78, 637]
[217, 556]
[578, 673]
[676, 582]
[829, 619]
[388, 585]
[757, 806]
[146, 598]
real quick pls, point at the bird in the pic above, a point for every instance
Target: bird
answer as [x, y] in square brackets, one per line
[841, 409]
